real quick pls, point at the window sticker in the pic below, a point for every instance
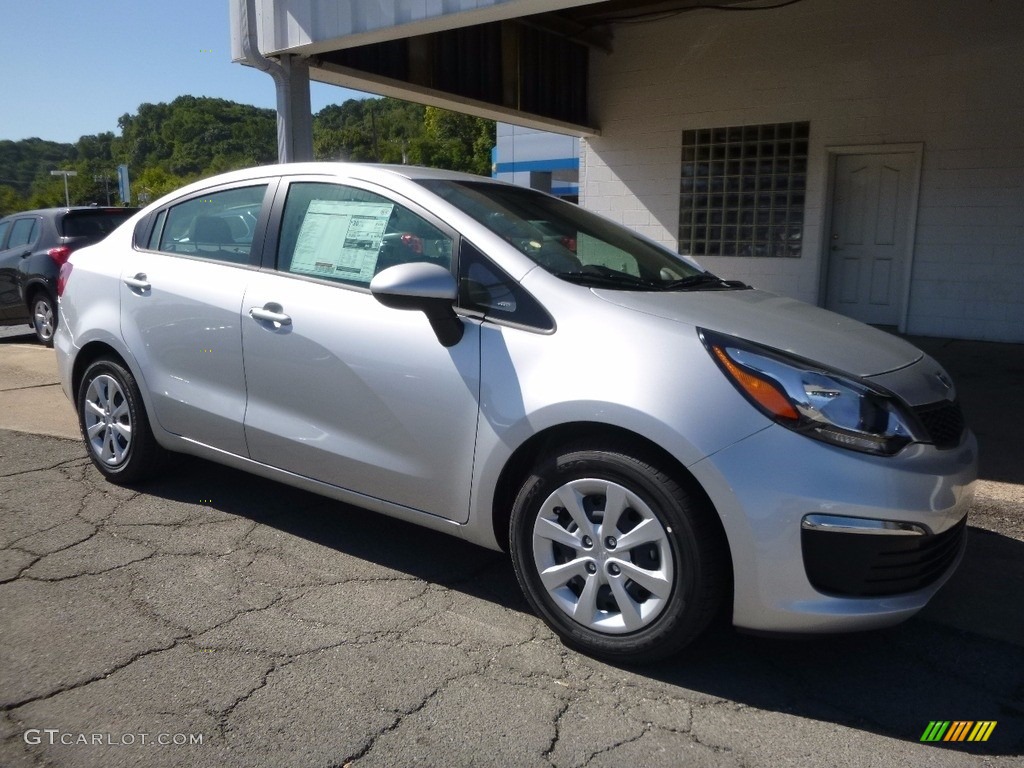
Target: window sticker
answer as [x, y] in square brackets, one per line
[341, 239]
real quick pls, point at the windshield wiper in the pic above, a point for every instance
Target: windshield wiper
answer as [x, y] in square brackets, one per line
[620, 280]
[701, 281]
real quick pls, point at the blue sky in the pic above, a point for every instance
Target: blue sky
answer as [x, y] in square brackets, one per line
[73, 67]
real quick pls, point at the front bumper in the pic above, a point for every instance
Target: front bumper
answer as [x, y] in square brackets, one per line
[789, 578]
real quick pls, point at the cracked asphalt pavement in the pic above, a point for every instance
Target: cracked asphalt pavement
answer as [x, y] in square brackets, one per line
[290, 630]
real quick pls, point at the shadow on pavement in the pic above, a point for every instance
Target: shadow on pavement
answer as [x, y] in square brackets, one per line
[10, 338]
[944, 664]
[890, 682]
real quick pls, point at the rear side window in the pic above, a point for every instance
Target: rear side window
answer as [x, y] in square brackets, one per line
[158, 227]
[94, 225]
[24, 232]
[218, 226]
[4, 226]
[349, 235]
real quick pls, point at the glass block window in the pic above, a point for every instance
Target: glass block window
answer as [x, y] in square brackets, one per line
[742, 190]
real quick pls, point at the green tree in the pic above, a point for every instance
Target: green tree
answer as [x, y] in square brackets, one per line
[168, 145]
[196, 136]
[157, 182]
[459, 142]
[23, 163]
[367, 130]
[392, 131]
[11, 201]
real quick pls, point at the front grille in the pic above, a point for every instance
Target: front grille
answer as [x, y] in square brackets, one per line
[944, 423]
[872, 565]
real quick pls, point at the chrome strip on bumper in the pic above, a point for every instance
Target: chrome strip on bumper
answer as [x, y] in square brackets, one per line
[841, 524]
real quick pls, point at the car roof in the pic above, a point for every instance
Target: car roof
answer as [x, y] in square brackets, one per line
[72, 209]
[366, 170]
[338, 169]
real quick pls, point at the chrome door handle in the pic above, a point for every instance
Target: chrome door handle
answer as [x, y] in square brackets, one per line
[138, 283]
[270, 313]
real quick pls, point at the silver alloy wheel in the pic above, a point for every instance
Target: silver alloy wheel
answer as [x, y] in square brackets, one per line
[108, 421]
[42, 318]
[603, 556]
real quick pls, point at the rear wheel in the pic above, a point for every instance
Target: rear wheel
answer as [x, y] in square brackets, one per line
[114, 424]
[616, 556]
[44, 318]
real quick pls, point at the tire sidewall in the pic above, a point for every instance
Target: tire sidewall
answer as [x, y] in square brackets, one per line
[126, 469]
[43, 296]
[673, 627]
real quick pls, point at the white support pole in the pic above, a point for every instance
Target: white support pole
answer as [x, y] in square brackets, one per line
[294, 110]
[291, 77]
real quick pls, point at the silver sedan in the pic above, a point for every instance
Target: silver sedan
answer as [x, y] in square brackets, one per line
[656, 447]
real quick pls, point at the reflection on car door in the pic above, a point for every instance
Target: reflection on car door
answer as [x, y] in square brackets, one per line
[360, 396]
[184, 332]
[342, 389]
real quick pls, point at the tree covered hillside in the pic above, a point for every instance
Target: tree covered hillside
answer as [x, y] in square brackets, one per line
[168, 145]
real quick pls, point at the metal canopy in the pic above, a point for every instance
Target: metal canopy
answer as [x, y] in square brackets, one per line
[519, 61]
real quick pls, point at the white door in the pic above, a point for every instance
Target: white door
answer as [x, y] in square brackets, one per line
[868, 242]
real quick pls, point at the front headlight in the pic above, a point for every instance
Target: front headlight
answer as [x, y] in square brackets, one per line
[813, 400]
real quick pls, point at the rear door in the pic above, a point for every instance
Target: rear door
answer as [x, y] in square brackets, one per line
[181, 298]
[340, 388]
[5, 229]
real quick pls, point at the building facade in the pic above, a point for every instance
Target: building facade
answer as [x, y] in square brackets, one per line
[890, 142]
[862, 155]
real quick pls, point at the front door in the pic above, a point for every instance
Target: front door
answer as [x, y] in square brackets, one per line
[342, 389]
[24, 233]
[868, 242]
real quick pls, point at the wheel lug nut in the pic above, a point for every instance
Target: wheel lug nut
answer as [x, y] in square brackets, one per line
[613, 569]
[591, 568]
[588, 542]
[610, 542]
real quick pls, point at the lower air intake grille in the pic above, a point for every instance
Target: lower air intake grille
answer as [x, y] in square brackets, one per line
[865, 565]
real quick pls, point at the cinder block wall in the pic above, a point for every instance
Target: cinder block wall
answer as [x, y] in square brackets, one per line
[944, 73]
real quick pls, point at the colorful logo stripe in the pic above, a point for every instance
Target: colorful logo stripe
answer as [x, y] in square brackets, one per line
[958, 730]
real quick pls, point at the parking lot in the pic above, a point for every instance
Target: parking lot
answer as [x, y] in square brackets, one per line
[218, 619]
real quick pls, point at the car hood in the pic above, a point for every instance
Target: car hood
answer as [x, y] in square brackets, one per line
[779, 322]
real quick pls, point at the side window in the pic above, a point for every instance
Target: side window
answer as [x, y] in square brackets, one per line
[4, 226]
[158, 228]
[349, 235]
[483, 287]
[214, 226]
[24, 232]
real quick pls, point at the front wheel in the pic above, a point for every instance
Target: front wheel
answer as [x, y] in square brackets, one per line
[617, 557]
[113, 421]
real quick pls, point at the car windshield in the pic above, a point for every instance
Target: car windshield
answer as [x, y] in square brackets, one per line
[572, 243]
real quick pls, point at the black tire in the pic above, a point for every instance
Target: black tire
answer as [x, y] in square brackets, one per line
[621, 620]
[43, 315]
[122, 446]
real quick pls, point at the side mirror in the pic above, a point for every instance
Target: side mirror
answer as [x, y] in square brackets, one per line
[429, 288]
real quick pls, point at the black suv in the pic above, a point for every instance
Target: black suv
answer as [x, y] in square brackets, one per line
[33, 245]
